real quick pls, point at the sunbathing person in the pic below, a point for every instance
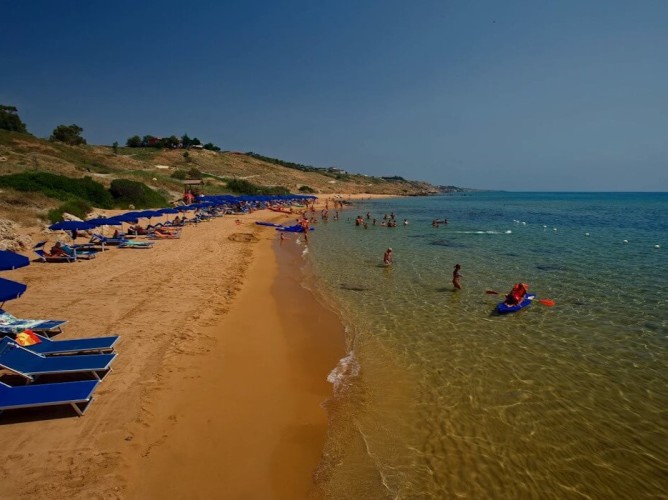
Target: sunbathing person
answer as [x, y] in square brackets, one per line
[57, 251]
[161, 233]
[137, 229]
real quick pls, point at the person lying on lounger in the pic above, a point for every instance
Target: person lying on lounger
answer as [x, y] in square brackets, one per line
[57, 251]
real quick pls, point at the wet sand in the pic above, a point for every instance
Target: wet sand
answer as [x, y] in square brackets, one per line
[246, 420]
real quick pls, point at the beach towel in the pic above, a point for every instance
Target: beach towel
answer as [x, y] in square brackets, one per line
[27, 337]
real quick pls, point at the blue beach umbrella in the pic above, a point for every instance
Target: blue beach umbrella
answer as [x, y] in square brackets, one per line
[104, 221]
[148, 214]
[10, 290]
[11, 260]
[71, 225]
[130, 218]
[185, 208]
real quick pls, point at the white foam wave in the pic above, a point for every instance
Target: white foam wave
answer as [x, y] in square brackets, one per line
[483, 232]
[346, 369]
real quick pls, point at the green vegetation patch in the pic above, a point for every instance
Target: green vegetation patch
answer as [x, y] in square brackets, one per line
[95, 166]
[242, 186]
[127, 192]
[59, 187]
[79, 208]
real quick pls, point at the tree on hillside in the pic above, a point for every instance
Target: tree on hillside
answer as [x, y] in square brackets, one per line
[171, 142]
[149, 141]
[211, 146]
[69, 134]
[133, 142]
[186, 141]
[9, 120]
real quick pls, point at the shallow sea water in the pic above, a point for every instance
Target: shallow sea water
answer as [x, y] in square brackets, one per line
[439, 398]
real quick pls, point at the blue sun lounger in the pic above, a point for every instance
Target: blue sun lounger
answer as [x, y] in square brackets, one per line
[11, 325]
[98, 239]
[45, 257]
[135, 244]
[20, 361]
[91, 345]
[79, 395]
[79, 253]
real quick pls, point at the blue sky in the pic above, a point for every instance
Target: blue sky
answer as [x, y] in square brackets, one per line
[514, 95]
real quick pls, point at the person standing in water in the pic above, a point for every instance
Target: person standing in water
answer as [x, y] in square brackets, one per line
[387, 258]
[456, 276]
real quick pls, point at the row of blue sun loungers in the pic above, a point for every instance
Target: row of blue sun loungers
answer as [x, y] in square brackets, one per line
[88, 360]
[11, 325]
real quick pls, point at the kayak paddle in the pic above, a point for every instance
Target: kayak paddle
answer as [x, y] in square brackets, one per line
[545, 302]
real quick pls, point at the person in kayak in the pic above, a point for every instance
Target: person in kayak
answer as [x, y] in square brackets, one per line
[517, 294]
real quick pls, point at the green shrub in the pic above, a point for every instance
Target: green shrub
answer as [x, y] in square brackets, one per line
[306, 189]
[9, 119]
[242, 186]
[133, 142]
[79, 208]
[59, 187]
[127, 192]
[69, 134]
[179, 174]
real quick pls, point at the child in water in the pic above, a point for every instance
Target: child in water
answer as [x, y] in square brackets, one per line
[456, 276]
[387, 258]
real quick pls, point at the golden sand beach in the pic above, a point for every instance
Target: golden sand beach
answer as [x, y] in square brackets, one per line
[218, 386]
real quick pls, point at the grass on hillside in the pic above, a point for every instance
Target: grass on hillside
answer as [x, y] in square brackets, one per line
[26, 209]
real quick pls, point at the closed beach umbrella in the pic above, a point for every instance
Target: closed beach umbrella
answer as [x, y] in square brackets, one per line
[71, 225]
[11, 260]
[10, 290]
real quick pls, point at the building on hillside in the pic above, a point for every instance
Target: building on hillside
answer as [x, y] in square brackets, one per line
[335, 170]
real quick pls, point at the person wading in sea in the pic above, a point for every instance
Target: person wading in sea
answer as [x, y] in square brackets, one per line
[456, 276]
[387, 258]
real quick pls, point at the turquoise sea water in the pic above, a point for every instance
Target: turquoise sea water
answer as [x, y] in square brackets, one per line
[438, 398]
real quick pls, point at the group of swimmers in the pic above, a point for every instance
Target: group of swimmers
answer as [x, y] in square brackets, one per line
[388, 221]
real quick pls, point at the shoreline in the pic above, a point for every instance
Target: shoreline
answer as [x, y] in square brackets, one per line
[174, 307]
[256, 400]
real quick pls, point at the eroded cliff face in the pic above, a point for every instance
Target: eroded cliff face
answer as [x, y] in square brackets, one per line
[11, 237]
